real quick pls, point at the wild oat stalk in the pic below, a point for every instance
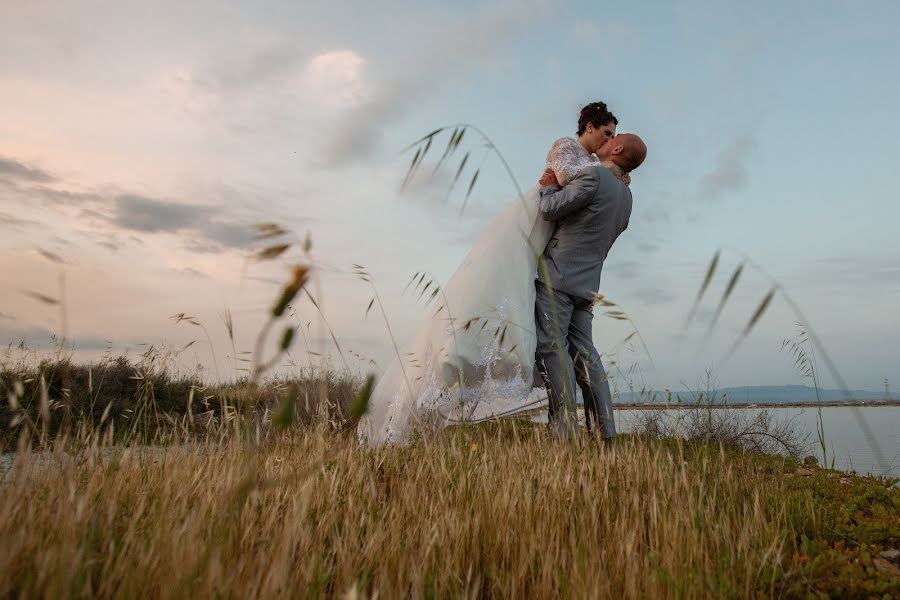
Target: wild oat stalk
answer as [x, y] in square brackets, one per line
[777, 289]
[364, 276]
[185, 318]
[620, 315]
[424, 144]
[419, 278]
[805, 362]
[300, 274]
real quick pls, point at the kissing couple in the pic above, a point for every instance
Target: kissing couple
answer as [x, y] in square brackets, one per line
[517, 313]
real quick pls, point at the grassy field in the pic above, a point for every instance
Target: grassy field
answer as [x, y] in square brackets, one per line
[492, 511]
[129, 482]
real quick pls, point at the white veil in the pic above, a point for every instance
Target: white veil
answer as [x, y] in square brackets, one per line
[472, 359]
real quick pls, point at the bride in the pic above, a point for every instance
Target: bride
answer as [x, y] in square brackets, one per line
[473, 358]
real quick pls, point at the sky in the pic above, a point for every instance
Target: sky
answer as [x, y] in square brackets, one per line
[140, 143]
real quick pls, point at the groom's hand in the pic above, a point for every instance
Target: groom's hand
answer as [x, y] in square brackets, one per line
[549, 178]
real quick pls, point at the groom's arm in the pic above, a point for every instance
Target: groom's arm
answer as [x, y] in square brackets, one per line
[557, 203]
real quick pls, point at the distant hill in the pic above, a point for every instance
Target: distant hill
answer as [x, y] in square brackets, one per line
[758, 394]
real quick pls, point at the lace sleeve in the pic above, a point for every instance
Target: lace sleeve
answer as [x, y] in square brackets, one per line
[566, 158]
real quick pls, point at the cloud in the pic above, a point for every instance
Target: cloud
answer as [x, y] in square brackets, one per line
[244, 70]
[125, 212]
[14, 170]
[730, 172]
[13, 221]
[152, 215]
[852, 272]
[111, 246]
[454, 48]
[335, 79]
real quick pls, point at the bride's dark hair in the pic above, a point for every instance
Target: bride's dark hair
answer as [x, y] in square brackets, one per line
[597, 115]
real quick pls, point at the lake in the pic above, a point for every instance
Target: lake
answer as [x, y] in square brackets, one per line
[844, 436]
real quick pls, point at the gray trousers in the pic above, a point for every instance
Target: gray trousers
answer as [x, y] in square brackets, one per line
[565, 356]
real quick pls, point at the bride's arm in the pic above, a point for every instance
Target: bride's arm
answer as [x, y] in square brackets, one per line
[563, 159]
[556, 203]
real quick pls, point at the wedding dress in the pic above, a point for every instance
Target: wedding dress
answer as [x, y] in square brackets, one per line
[473, 357]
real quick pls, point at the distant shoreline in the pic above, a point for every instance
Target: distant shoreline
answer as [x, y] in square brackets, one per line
[689, 406]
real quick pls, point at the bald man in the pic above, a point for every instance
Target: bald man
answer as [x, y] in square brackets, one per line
[589, 213]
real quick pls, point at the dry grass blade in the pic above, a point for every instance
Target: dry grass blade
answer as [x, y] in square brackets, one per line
[41, 297]
[271, 252]
[418, 283]
[469, 191]
[55, 258]
[368, 308]
[412, 168]
[360, 404]
[413, 278]
[334, 339]
[424, 153]
[459, 170]
[286, 338]
[300, 275]
[286, 413]
[732, 283]
[757, 315]
[426, 137]
[229, 323]
[760, 311]
[459, 138]
[269, 230]
[710, 272]
[451, 146]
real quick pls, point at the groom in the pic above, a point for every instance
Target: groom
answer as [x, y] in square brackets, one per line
[590, 213]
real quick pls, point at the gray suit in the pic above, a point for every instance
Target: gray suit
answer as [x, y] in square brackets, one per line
[590, 213]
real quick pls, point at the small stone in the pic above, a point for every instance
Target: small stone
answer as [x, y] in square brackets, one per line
[810, 460]
[845, 480]
[805, 472]
[890, 555]
[885, 566]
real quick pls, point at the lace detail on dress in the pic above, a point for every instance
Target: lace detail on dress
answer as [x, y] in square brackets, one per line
[568, 159]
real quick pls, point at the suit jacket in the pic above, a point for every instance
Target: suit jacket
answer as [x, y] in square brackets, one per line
[590, 213]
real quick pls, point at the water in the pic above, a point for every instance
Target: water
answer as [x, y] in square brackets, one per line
[845, 439]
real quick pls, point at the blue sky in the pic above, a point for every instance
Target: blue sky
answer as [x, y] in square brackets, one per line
[142, 141]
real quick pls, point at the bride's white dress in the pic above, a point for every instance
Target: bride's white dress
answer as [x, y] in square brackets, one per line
[473, 357]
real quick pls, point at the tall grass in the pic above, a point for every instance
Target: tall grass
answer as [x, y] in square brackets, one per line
[496, 511]
[51, 402]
